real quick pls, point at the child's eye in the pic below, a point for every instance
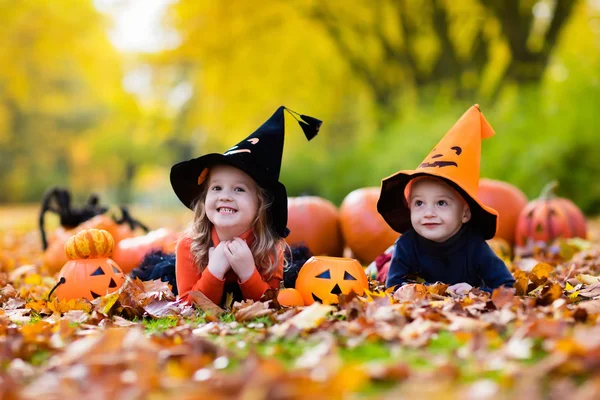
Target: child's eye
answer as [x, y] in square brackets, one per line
[418, 203]
[442, 203]
[239, 189]
[215, 188]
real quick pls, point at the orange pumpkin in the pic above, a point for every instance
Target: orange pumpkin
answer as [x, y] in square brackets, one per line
[89, 243]
[55, 256]
[508, 200]
[130, 252]
[323, 278]
[363, 228]
[89, 278]
[549, 217]
[290, 297]
[314, 222]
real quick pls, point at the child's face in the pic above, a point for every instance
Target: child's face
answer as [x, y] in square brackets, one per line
[437, 211]
[231, 201]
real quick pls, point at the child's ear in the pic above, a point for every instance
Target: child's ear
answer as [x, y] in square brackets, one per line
[466, 214]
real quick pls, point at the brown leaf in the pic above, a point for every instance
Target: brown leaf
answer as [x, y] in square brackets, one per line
[205, 304]
[250, 311]
[590, 291]
[414, 292]
[550, 292]
[591, 306]
[438, 288]
[163, 308]
[502, 296]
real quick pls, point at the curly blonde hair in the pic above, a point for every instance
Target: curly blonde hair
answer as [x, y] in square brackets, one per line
[267, 249]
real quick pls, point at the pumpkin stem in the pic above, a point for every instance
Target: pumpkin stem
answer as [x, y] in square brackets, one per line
[549, 191]
[60, 282]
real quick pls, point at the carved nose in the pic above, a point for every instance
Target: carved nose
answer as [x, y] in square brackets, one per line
[336, 289]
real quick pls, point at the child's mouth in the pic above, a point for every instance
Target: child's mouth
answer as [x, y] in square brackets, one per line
[226, 210]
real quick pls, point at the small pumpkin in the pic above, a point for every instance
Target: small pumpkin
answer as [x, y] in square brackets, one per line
[290, 297]
[89, 243]
[549, 217]
[323, 278]
[508, 200]
[364, 230]
[55, 256]
[314, 222]
[92, 276]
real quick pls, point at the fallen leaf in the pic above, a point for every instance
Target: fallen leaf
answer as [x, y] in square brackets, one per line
[205, 304]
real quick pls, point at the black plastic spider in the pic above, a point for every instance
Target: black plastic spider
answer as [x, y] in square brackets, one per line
[58, 201]
[126, 218]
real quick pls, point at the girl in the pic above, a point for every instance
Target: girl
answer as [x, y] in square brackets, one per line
[234, 245]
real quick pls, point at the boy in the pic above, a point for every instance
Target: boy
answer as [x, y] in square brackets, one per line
[443, 224]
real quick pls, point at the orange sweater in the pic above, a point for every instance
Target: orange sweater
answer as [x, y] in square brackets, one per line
[189, 278]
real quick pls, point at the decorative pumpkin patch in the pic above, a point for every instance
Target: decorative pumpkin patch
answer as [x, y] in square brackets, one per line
[322, 279]
[89, 278]
[290, 297]
[549, 217]
[508, 200]
[314, 222]
[363, 228]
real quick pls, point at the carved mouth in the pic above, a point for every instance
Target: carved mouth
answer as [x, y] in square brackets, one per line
[438, 164]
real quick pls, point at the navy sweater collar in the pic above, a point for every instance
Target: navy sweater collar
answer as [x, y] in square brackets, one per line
[455, 244]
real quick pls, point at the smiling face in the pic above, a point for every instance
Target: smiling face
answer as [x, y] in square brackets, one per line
[231, 202]
[441, 158]
[437, 211]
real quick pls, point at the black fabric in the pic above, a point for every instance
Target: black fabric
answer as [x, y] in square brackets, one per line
[259, 155]
[465, 257]
[295, 257]
[157, 265]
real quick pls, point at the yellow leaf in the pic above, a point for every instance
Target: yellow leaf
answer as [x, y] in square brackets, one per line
[33, 279]
[540, 273]
[569, 287]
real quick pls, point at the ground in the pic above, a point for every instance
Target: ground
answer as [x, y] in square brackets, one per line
[138, 342]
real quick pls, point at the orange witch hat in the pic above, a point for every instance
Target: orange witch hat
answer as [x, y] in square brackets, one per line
[455, 159]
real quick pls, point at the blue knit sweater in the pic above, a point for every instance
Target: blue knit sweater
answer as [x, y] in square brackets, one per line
[465, 257]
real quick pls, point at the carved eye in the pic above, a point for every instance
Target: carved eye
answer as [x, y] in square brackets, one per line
[324, 275]
[457, 149]
[348, 277]
[98, 271]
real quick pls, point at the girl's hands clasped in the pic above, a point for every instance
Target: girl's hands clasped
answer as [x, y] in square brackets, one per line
[240, 258]
[218, 264]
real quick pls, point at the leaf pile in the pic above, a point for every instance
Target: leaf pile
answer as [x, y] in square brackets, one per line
[539, 339]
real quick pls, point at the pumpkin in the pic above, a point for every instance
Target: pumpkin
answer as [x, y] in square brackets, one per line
[89, 243]
[549, 217]
[89, 277]
[500, 247]
[364, 230]
[323, 278]
[508, 200]
[130, 252]
[290, 297]
[314, 222]
[55, 256]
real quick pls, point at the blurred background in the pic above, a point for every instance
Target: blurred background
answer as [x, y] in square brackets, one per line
[105, 96]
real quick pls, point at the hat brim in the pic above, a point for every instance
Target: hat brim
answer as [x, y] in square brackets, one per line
[394, 209]
[184, 180]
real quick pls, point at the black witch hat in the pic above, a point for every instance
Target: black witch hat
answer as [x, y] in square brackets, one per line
[259, 155]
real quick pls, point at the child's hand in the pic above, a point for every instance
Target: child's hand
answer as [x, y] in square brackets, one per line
[218, 264]
[460, 288]
[240, 258]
